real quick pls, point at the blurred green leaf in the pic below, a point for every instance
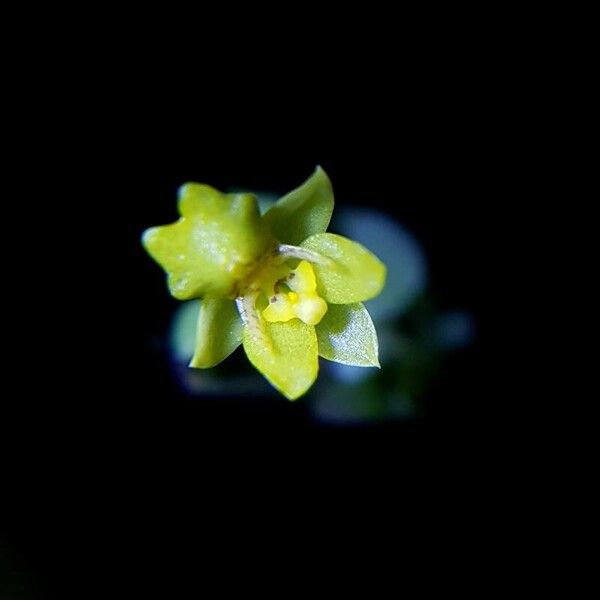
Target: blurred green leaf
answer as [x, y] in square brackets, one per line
[182, 334]
[397, 248]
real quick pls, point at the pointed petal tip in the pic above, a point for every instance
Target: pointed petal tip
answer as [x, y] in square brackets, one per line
[291, 393]
[295, 394]
[195, 363]
[183, 189]
[148, 235]
[320, 171]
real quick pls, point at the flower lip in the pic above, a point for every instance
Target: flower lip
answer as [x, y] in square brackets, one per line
[302, 301]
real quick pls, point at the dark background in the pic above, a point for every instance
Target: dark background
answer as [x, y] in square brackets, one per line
[114, 473]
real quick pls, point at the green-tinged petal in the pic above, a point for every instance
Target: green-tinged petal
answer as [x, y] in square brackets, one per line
[304, 211]
[214, 244]
[347, 335]
[354, 274]
[182, 334]
[218, 333]
[285, 353]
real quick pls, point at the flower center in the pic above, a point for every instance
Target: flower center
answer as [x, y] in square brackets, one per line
[301, 301]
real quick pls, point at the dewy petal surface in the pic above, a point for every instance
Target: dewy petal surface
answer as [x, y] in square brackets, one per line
[347, 335]
[214, 244]
[285, 353]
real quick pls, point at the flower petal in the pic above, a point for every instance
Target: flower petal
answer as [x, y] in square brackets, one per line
[354, 274]
[347, 335]
[285, 353]
[218, 333]
[304, 211]
[212, 246]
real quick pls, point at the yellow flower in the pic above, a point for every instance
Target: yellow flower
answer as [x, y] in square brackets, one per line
[276, 283]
